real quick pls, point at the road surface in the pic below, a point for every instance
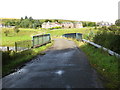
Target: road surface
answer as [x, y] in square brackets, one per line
[63, 66]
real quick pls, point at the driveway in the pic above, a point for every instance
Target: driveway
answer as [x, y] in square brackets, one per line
[63, 66]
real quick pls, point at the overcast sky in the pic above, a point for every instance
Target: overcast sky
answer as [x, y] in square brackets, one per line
[82, 10]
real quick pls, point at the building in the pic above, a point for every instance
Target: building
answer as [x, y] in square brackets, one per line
[63, 25]
[104, 23]
[78, 25]
[51, 24]
[67, 25]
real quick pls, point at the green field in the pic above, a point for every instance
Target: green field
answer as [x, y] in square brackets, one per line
[26, 34]
[59, 32]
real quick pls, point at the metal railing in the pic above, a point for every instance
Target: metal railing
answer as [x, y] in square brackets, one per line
[103, 48]
[77, 36]
[36, 41]
[39, 40]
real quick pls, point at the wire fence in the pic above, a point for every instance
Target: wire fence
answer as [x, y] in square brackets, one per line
[23, 45]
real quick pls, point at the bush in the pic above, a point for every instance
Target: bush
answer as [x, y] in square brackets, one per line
[6, 32]
[95, 27]
[103, 28]
[5, 57]
[58, 27]
[113, 28]
[109, 40]
[16, 30]
[117, 22]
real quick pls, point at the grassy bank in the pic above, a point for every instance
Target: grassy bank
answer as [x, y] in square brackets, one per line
[12, 60]
[106, 65]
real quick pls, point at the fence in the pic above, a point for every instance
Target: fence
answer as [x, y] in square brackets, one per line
[38, 40]
[77, 36]
[105, 49]
[23, 45]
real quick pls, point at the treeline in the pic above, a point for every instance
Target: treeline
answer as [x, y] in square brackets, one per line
[27, 22]
[88, 24]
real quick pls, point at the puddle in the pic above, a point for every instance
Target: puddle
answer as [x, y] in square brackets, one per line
[68, 87]
[59, 72]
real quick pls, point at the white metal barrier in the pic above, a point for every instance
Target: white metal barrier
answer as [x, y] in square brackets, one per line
[105, 49]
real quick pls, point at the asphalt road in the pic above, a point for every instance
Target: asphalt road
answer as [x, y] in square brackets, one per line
[63, 66]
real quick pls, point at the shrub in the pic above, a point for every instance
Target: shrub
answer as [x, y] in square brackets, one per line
[58, 27]
[113, 28]
[109, 40]
[117, 22]
[16, 30]
[103, 28]
[95, 27]
[6, 32]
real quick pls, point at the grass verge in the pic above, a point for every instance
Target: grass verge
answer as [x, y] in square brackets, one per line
[107, 66]
[14, 60]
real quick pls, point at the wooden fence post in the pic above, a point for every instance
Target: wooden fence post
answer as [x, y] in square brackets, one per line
[42, 39]
[49, 38]
[33, 41]
[15, 46]
[7, 48]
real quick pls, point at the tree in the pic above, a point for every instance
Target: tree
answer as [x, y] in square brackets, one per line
[91, 24]
[30, 18]
[21, 18]
[36, 24]
[26, 17]
[55, 20]
[48, 20]
[84, 24]
[25, 23]
[117, 22]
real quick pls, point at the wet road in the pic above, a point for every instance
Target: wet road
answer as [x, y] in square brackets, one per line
[63, 66]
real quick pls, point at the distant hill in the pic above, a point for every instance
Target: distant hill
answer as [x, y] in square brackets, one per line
[60, 20]
[8, 18]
